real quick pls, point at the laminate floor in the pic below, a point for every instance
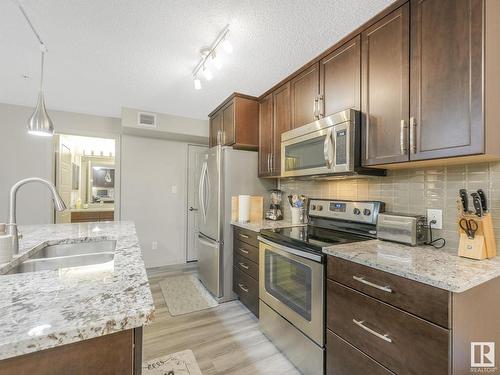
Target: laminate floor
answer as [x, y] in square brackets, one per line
[225, 339]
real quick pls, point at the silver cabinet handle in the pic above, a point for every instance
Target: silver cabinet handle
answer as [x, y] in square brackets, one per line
[326, 148]
[315, 107]
[242, 287]
[321, 111]
[359, 323]
[269, 163]
[413, 135]
[243, 265]
[243, 235]
[243, 250]
[272, 162]
[402, 137]
[373, 285]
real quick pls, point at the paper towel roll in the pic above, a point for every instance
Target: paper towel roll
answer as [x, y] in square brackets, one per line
[5, 248]
[243, 208]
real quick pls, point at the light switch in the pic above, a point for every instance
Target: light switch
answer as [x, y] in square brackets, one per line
[174, 189]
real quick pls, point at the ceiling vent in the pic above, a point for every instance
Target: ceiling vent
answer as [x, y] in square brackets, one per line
[146, 119]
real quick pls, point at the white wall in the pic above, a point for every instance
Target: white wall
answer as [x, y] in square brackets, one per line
[23, 155]
[151, 170]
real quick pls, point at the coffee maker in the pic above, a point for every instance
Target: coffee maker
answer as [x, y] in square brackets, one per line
[274, 212]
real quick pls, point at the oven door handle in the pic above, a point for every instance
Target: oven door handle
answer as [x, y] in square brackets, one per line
[303, 254]
[327, 145]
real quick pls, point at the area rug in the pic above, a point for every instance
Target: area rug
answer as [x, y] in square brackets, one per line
[180, 363]
[184, 294]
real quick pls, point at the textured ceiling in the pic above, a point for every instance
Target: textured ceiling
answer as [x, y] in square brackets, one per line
[108, 54]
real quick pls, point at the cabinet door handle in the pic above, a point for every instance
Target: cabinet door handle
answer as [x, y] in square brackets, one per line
[315, 108]
[402, 137]
[272, 162]
[413, 135]
[362, 280]
[269, 163]
[243, 265]
[242, 287]
[243, 250]
[360, 324]
[321, 111]
[243, 235]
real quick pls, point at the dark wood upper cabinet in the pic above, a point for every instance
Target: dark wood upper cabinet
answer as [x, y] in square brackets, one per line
[281, 124]
[215, 131]
[228, 124]
[235, 123]
[304, 94]
[446, 78]
[386, 89]
[339, 76]
[265, 135]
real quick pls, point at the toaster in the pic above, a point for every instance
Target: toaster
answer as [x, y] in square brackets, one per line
[403, 228]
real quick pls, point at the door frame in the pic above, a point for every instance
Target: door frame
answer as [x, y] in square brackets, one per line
[118, 146]
[189, 145]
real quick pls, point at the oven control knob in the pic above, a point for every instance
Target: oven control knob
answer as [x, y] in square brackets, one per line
[313, 207]
[356, 211]
[367, 212]
[319, 207]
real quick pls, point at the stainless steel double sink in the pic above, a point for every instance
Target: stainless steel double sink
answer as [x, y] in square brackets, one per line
[54, 257]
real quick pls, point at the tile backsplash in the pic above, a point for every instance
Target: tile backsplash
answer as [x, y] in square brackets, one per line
[413, 191]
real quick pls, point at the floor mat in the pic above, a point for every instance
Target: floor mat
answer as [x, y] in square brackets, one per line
[180, 363]
[185, 294]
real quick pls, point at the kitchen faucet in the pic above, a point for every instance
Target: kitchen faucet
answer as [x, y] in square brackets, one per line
[12, 224]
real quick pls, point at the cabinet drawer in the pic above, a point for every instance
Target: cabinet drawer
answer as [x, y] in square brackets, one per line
[423, 300]
[343, 358]
[399, 341]
[247, 289]
[247, 236]
[245, 250]
[246, 266]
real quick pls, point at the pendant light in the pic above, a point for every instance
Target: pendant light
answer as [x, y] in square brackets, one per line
[39, 122]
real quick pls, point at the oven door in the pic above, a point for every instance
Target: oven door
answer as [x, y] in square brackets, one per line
[308, 154]
[293, 286]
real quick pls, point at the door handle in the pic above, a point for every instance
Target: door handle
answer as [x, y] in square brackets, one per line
[413, 135]
[360, 323]
[206, 243]
[326, 148]
[193, 209]
[402, 137]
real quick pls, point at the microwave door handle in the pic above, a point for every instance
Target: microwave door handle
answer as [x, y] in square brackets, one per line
[326, 148]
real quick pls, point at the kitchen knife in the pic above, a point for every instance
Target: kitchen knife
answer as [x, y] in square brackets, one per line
[476, 201]
[465, 200]
[484, 203]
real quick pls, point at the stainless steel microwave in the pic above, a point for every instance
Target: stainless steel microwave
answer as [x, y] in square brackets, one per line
[328, 147]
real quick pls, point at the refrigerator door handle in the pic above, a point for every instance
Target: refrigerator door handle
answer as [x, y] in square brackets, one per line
[205, 242]
[201, 188]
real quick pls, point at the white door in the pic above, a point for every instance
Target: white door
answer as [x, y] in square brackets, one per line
[194, 168]
[63, 179]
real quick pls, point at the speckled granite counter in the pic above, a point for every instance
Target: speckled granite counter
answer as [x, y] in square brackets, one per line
[40, 310]
[440, 268]
[266, 224]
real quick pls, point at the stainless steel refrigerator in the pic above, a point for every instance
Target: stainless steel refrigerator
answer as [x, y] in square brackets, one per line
[224, 173]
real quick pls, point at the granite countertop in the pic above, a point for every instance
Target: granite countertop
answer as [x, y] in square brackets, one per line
[41, 310]
[266, 224]
[437, 267]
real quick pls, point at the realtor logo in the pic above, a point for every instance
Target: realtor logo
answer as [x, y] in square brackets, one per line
[482, 354]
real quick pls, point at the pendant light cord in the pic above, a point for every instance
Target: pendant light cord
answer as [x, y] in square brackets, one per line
[42, 44]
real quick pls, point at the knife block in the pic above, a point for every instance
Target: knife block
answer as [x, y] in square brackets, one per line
[483, 245]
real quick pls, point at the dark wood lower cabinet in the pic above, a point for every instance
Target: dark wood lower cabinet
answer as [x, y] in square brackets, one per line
[344, 359]
[246, 268]
[92, 216]
[114, 354]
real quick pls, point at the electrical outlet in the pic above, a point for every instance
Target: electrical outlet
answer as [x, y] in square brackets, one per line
[154, 245]
[436, 215]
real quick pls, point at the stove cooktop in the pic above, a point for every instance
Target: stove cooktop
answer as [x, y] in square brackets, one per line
[310, 237]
